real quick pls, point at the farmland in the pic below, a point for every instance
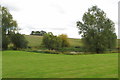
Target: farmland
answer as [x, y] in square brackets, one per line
[21, 64]
[36, 41]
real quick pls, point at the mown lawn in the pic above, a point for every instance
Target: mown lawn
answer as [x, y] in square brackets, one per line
[20, 64]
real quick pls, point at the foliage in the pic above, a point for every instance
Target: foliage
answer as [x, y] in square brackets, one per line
[51, 52]
[5, 41]
[72, 49]
[19, 41]
[8, 25]
[65, 42]
[39, 33]
[98, 31]
[51, 42]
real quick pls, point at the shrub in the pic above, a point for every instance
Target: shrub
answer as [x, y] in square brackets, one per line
[5, 42]
[51, 42]
[70, 49]
[18, 41]
[51, 52]
[65, 42]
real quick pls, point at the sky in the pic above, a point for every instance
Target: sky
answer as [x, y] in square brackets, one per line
[57, 16]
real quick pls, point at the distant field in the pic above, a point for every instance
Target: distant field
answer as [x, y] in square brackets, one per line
[36, 41]
[20, 64]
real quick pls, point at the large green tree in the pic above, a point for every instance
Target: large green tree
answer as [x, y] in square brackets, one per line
[0, 28]
[10, 31]
[8, 25]
[98, 31]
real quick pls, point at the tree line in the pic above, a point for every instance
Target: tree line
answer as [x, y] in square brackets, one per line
[53, 42]
[97, 30]
[39, 33]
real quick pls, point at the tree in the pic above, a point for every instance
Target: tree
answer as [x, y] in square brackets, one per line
[65, 42]
[39, 33]
[8, 25]
[42, 33]
[98, 31]
[32, 33]
[51, 42]
[5, 41]
[18, 41]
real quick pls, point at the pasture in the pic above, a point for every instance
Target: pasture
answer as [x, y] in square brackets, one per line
[36, 41]
[21, 64]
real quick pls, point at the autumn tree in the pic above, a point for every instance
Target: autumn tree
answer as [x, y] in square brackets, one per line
[65, 42]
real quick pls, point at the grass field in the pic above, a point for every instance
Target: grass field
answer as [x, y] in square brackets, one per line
[36, 41]
[20, 64]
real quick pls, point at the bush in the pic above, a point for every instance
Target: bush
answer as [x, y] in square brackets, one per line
[70, 49]
[51, 42]
[55, 42]
[18, 41]
[5, 42]
[65, 42]
[51, 51]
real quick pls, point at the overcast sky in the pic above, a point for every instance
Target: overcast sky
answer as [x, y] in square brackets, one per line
[57, 16]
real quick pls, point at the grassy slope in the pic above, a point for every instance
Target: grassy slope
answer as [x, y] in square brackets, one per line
[36, 41]
[20, 64]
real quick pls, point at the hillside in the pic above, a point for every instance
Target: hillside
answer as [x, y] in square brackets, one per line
[36, 41]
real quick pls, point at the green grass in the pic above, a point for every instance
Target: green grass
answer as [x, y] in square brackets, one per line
[75, 42]
[20, 64]
[36, 41]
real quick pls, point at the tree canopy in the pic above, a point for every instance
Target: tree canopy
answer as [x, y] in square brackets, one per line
[65, 42]
[8, 24]
[39, 33]
[51, 42]
[98, 31]
[10, 31]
